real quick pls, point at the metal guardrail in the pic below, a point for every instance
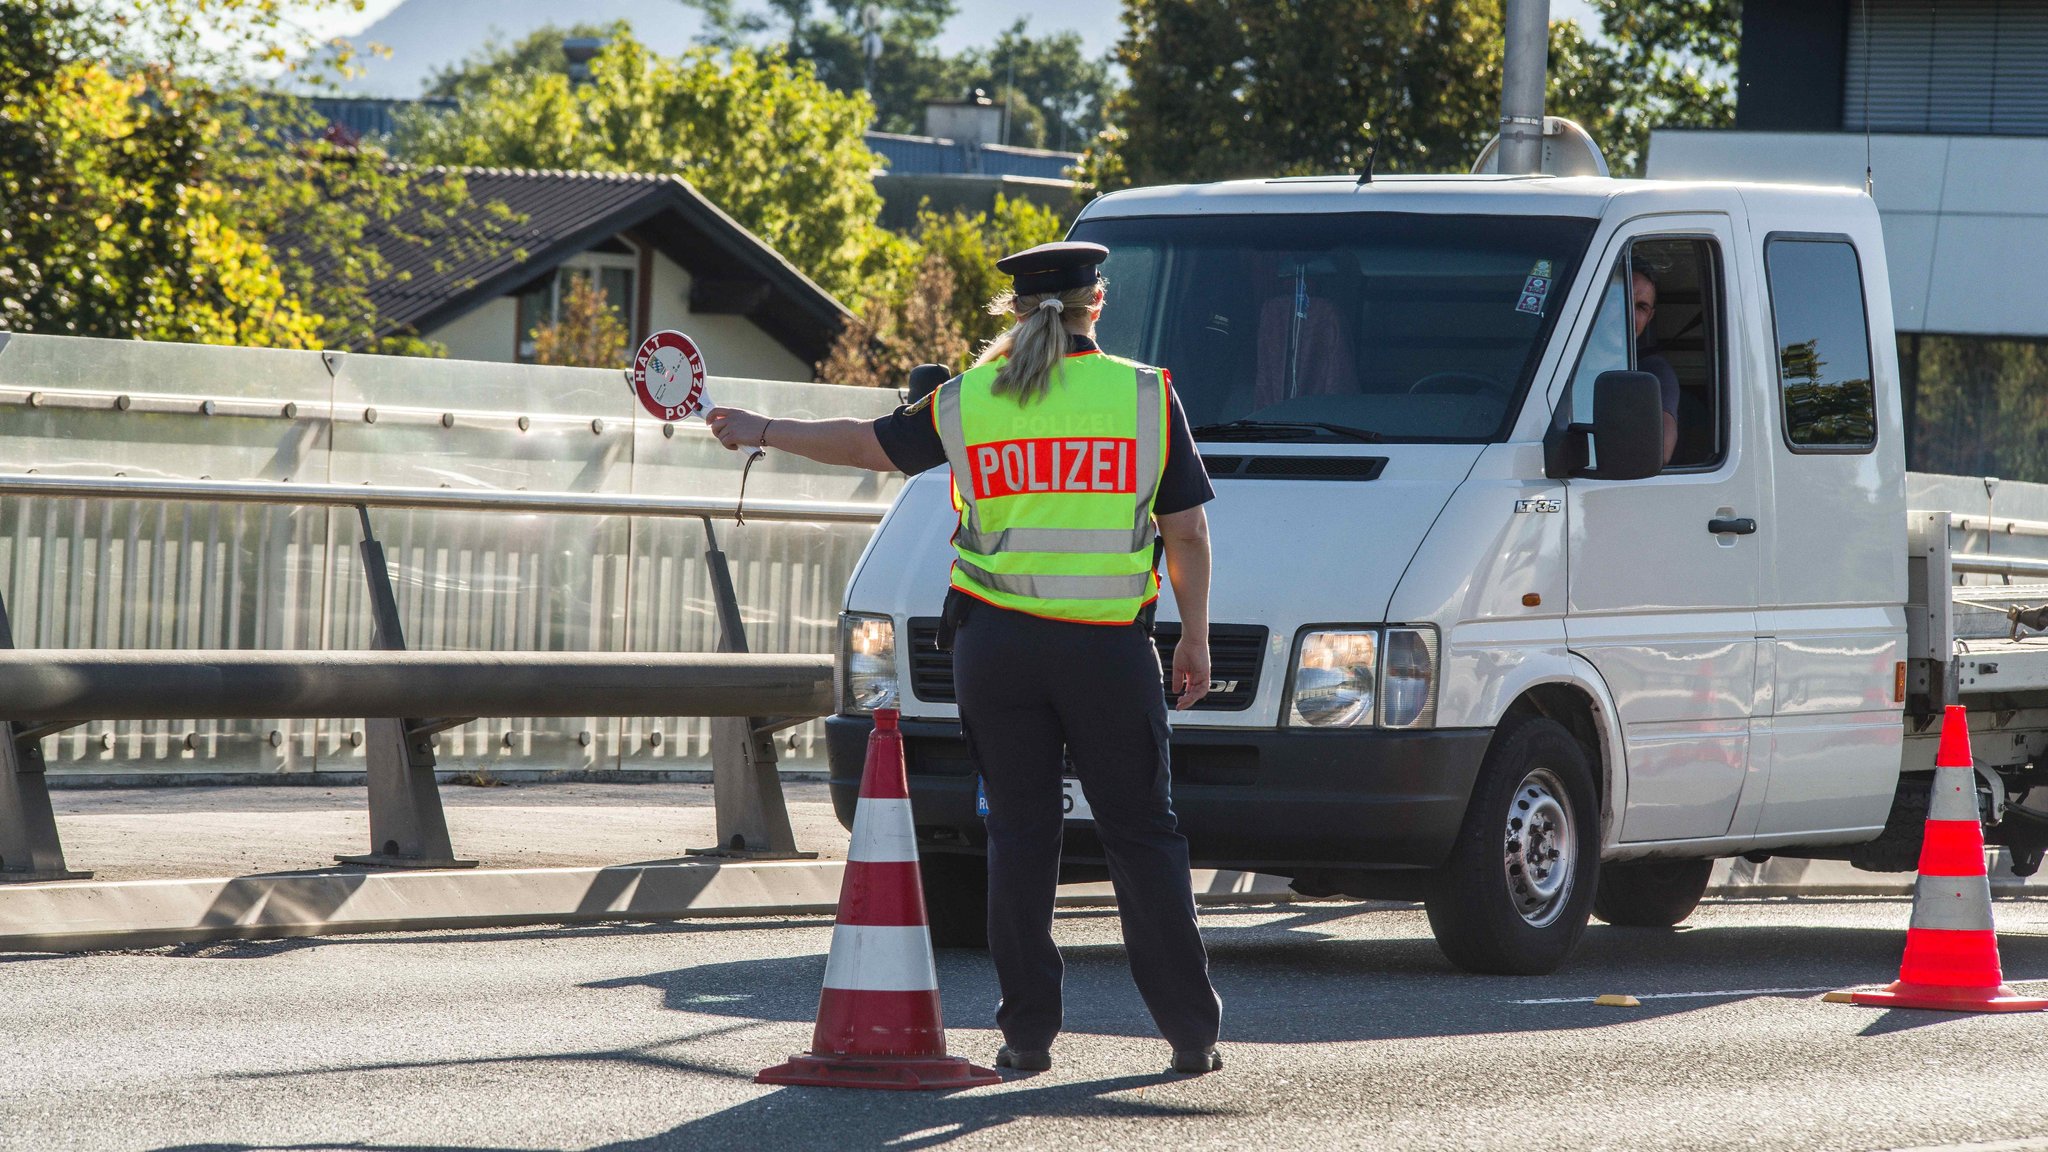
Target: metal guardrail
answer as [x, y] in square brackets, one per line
[410, 696]
[434, 499]
[48, 687]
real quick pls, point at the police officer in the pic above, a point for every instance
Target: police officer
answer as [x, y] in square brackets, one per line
[1072, 472]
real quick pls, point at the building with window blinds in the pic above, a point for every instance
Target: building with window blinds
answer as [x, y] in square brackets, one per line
[1946, 103]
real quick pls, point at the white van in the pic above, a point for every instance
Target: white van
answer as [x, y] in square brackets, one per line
[1477, 640]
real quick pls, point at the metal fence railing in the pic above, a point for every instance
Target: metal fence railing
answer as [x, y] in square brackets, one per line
[180, 497]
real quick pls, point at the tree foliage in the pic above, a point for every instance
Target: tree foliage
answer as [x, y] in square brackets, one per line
[1227, 88]
[151, 189]
[765, 141]
[1054, 92]
[589, 333]
[937, 312]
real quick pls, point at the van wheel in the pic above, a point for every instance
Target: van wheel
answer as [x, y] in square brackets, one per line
[956, 898]
[1514, 895]
[1650, 893]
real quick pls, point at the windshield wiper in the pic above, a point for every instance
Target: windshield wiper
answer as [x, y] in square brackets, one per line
[1246, 429]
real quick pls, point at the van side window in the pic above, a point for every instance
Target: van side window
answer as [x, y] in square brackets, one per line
[1660, 313]
[1823, 342]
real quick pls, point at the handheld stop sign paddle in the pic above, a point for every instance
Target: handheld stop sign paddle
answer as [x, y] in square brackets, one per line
[668, 377]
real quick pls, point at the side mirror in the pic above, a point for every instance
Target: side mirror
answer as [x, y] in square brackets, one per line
[1628, 426]
[925, 380]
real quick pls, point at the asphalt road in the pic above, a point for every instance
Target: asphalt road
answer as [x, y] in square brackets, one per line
[1344, 1029]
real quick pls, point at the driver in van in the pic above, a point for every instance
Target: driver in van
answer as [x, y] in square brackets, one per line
[1649, 360]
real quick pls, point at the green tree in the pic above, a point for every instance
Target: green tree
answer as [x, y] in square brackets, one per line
[1225, 88]
[1063, 89]
[937, 308]
[1665, 64]
[540, 52]
[766, 141]
[827, 36]
[970, 245]
[149, 188]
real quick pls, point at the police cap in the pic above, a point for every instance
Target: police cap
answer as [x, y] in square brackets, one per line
[1053, 267]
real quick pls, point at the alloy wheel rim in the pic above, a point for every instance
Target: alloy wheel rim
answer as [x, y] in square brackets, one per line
[1540, 852]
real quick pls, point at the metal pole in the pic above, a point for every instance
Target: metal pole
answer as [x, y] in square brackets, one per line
[408, 828]
[1523, 73]
[746, 789]
[30, 848]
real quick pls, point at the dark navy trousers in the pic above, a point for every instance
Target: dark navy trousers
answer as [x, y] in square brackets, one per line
[1028, 688]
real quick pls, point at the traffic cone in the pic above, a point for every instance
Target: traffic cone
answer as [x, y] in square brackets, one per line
[878, 1017]
[1951, 957]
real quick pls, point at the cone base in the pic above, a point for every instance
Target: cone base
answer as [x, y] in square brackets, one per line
[889, 1073]
[1946, 998]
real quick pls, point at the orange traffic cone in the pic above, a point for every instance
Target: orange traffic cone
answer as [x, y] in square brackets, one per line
[878, 1017]
[1951, 957]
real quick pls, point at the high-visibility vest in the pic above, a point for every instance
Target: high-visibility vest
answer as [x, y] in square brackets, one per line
[1055, 497]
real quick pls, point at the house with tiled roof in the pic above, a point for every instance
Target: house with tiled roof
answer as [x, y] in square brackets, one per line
[664, 256]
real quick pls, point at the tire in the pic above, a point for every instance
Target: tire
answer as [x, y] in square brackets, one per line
[956, 898]
[1507, 902]
[1650, 893]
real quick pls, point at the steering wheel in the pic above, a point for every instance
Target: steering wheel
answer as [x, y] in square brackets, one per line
[1457, 384]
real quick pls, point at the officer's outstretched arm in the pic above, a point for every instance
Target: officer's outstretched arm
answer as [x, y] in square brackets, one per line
[845, 441]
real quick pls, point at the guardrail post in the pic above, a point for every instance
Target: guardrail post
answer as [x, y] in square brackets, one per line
[408, 827]
[746, 789]
[30, 849]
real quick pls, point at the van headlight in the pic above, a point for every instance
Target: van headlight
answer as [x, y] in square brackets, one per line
[867, 663]
[1408, 678]
[1336, 677]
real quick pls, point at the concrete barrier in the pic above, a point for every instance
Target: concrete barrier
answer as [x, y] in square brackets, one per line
[98, 916]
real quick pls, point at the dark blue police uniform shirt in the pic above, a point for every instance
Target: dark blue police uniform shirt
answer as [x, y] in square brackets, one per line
[913, 445]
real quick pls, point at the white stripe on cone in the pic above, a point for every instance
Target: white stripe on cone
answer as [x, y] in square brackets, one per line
[1954, 903]
[869, 959]
[883, 832]
[1954, 796]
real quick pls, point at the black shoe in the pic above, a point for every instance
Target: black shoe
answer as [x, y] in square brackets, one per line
[1008, 1057]
[1195, 1061]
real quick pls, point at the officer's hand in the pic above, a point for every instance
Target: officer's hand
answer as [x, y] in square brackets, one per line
[736, 427]
[1190, 671]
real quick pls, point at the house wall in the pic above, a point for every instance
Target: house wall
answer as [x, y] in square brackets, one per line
[483, 333]
[733, 345]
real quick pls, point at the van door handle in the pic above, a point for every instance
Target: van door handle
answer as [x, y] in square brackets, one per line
[1733, 525]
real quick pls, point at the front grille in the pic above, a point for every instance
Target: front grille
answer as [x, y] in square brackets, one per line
[1236, 654]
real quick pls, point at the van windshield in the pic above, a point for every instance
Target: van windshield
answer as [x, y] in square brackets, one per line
[1361, 326]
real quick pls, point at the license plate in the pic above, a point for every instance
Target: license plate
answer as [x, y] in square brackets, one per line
[1072, 801]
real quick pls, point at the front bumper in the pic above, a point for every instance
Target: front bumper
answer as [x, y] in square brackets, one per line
[1247, 798]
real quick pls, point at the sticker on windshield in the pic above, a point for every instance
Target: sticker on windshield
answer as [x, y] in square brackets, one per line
[1534, 289]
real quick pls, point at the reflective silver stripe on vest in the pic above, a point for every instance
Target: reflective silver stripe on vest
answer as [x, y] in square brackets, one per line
[953, 434]
[1957, 903]
[1085, 541]
[1954, 796]
[1151, 403]
[1058, 587]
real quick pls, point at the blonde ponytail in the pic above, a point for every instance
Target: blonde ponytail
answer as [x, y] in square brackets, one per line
[1034, 349]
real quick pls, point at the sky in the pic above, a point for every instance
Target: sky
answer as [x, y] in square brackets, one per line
[425, 35]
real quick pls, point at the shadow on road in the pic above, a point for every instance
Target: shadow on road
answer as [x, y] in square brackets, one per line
[844, 1119]
[1287, 981]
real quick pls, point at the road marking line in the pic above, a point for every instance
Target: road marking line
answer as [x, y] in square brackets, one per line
[1724, 992]
[1677, 995]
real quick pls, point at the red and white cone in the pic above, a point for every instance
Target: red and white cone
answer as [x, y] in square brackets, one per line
[1951, 959]
[878, 1017]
